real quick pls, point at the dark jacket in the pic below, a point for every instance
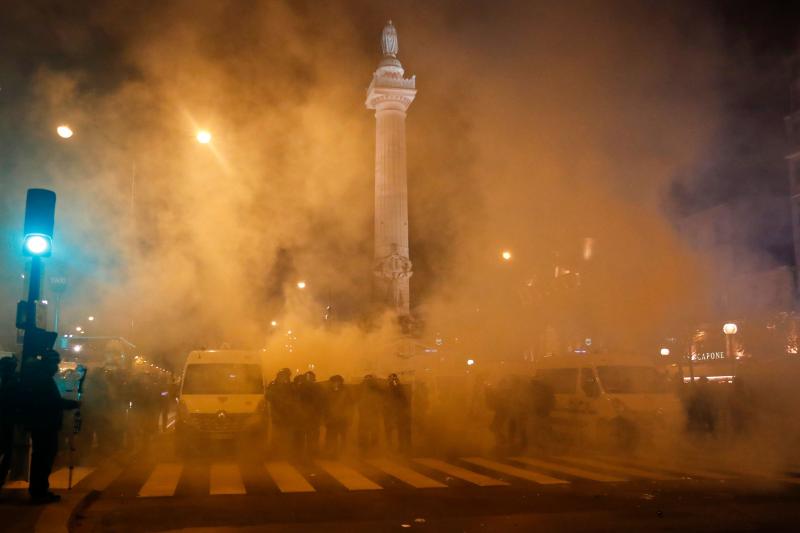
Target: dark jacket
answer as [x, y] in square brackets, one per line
[9, 403]
[43, 406]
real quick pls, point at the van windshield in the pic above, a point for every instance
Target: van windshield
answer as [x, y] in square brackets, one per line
[631, 380]
[223, 378]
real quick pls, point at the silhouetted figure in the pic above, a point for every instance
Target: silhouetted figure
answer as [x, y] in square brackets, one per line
[169, 393]
[311, 400]
[279, 395]
[740, 406]
[96, 408]
[702, 414]
[9, 388]
[337, 413]
[519, 407]
[369, 414]
[498, 400]
[299, 417]
[43, 412]
[145, 409]
[542, 402]
[397, 415]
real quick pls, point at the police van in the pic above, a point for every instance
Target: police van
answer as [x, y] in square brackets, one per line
[221, 398]
[613, 399]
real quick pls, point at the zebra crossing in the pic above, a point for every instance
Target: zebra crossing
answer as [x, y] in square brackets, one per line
[420, 473]
[174, 478]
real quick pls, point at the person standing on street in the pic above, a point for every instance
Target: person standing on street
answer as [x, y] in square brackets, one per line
[279, 396]
[338, 412]
[397, 415]
[44, 408]
[9, 386]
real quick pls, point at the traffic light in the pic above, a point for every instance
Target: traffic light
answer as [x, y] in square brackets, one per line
[40, 207]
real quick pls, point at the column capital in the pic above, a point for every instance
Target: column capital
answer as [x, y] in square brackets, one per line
[386, 92]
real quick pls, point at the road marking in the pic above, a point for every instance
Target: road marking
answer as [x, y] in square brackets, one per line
[162, 481]
[60, 478]
[287, 478]
[678, 468]
[628, 470]
[569, 470]
[461, 473]
[348, 477]
[406, 475]
[225, 478]
[514, 471]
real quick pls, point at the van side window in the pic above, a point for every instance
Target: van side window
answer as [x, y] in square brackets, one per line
[589, 384]
[562, 380]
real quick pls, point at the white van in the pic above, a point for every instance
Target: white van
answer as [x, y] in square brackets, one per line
[620, 398]
[221, 397]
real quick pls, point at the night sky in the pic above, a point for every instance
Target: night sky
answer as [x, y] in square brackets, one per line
[103, 50]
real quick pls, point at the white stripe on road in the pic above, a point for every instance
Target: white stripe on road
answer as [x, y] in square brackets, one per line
[287, 478]
[163, 480]
[627, 470]
[514, 471]
[460, 473]
[225, 478]
[678, 468]
[406, 475]
[348, 477]
[569, 470]
[60, 478]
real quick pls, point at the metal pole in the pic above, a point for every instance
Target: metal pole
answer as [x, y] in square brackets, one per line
[34, 288]
[729, 353]
[57, 314]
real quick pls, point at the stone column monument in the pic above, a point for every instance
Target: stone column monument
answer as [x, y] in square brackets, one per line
[390, 95]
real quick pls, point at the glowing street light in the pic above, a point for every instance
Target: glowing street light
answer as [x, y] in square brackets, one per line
[64, 131]
[730, 330]
[91, 319]
[506, 255]
[203, 136]
[77, 348]
[665, 351]
[470, 362]
[78, 329]
[301, 284]
[274, 323]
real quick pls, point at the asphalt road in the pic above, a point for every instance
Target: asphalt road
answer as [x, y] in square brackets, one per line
[392, 493]
[570, 493]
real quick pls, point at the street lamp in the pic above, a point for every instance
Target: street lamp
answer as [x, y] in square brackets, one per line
[64, 131]
[506, 255]
[664, 352]
[203, 136]
[301, 284]
[91, 319]
[730, 329]
[274, 323]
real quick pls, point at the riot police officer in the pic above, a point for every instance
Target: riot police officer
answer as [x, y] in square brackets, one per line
[43, 412]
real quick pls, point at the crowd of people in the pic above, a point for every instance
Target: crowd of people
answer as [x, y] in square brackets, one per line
[301, 407]
[517, 405]
[122, 409]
